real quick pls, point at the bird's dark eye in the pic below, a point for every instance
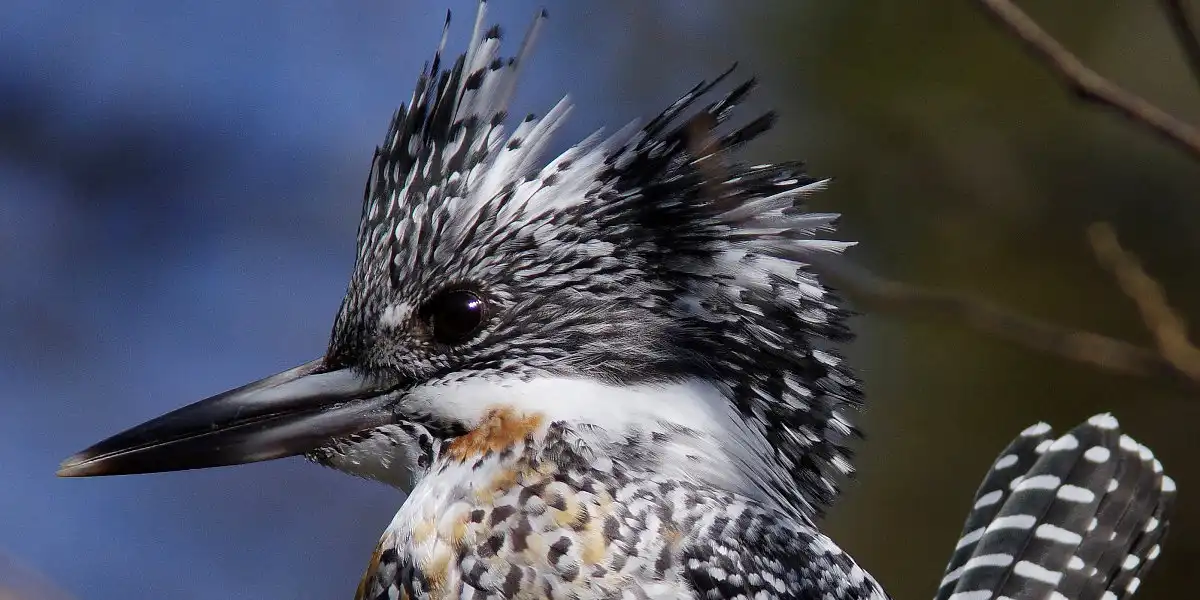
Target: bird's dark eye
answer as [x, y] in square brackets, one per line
[454, 316]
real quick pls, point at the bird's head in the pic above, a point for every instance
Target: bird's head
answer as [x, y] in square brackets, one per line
[641, 287]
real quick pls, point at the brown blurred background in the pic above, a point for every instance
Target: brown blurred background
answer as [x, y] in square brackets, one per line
[181, 188]
[961, 164]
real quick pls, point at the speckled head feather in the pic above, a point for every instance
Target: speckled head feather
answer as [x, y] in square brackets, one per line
[648, 258]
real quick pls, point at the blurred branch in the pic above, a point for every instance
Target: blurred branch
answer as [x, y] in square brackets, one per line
[1089, 85]
[1110, 354]
[1185, 32]
[1175, 352]
[1167, 327]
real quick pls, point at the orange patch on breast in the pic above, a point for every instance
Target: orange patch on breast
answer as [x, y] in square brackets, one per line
[500, 484]
[501, 428]
[422, 531]
[594, 546]
[437, 571]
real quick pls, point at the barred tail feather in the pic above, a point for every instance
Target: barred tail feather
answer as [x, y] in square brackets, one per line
[1126, 532]
[1014, 462]
[1080, 517]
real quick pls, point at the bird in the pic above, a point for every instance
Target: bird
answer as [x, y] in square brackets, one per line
[612, 374]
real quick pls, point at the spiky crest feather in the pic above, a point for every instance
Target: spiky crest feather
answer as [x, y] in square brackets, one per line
[655, 217]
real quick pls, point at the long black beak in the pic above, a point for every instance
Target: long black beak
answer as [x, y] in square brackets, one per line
[286, 414]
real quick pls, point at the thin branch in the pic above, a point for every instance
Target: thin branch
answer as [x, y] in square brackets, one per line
[1185, 32]
[867, 288]
[1167, 327]
[1088, 84]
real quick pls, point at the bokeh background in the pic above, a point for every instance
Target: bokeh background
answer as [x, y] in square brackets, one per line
[179, 184]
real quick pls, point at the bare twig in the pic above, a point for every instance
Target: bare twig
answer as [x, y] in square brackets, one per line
[1088, 84]
[867, 288]
[1167, 327]
[1185, 32]
[1175, 352]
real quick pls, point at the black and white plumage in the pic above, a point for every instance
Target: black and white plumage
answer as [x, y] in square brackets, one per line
[630, 260]
[611, 376]
[1079, 516]
[652, 306]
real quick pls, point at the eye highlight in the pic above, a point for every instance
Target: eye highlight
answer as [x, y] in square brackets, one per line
[454, 316]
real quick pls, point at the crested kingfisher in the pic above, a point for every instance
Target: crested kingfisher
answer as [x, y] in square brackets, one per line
[614, 375]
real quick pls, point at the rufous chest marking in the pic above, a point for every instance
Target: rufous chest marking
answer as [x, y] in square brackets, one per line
[500, 429]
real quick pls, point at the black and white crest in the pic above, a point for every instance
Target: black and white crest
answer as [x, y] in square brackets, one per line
[647, 256]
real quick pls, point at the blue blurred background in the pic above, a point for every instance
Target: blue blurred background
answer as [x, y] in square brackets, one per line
[179, 185]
